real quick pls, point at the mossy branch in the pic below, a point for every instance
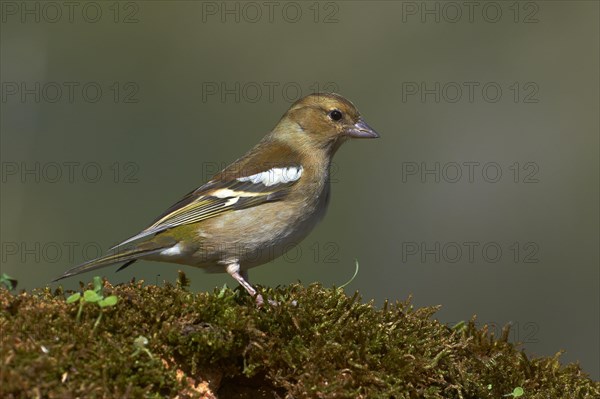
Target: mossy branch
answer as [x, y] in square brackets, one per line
[317, 342]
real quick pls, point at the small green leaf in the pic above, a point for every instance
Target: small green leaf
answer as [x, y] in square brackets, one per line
[74, 298]
[140, 346]
[97, 281]
[91, 296]
[140, 342]
[108, 301]
[9, 282]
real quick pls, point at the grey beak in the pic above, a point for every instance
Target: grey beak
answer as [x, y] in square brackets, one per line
[361, 130]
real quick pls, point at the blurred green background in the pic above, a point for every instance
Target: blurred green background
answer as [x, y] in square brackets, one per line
[481, 195]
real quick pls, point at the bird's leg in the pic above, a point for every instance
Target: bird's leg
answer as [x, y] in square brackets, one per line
[242, 278]
[244, 274]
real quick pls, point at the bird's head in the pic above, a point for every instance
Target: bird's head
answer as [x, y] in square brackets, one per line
[322, 120]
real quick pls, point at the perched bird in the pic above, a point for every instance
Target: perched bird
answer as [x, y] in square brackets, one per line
[256, 208]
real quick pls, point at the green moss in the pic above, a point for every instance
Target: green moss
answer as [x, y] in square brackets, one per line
[317, 342]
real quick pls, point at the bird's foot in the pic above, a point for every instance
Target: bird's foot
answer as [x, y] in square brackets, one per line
[260, 302]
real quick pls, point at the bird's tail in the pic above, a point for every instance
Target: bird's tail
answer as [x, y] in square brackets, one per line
[124, 255]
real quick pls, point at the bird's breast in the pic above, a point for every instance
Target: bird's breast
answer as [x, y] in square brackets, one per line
[259, 234]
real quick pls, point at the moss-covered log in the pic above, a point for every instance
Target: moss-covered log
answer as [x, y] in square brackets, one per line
[317, 342]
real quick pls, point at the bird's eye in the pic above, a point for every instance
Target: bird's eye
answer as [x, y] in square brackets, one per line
[335, 115]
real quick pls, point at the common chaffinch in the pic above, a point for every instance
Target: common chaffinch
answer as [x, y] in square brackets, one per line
[258, 207]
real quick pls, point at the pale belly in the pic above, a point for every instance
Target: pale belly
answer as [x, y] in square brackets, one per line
[247, 237]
